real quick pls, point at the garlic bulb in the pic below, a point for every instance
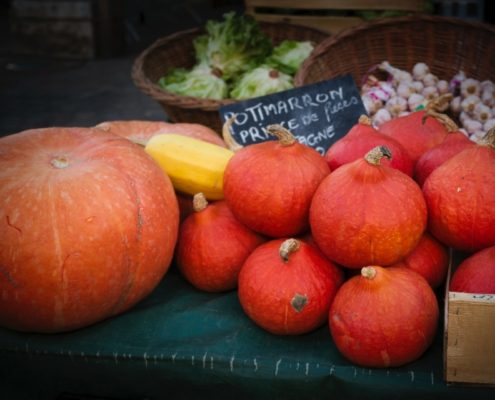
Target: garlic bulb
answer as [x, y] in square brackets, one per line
[488, 96]
[420, 70]
[463, 117]
[482, 112]
[489, 124]
[404, 113]
[487, 85]
[430, 93]
[418, 86]
[397, 74]
[442, 86]
[472, 126]
[430, 80]
[381, 117]
[415, 100]
[470, 87]
[405, 89]
[372, 105]
[396, 105]
[469, 103]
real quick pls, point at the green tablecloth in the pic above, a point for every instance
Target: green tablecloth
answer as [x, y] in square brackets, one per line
[190, 344]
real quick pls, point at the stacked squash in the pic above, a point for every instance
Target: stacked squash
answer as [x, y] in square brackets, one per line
[356, 238]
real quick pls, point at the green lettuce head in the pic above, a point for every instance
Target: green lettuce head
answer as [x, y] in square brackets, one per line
[261, 81]
[201, 81]
[234, 45]
[289, 55]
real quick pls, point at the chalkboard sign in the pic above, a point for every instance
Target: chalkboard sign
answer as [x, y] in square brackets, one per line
[318, 114]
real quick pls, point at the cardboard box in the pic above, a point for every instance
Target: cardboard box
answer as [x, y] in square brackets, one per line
[469, 336]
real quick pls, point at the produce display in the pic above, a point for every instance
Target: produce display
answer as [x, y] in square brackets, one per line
[356, 240]
[402, 92]
[236, 59]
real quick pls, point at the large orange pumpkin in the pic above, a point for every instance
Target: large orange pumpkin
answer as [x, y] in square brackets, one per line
[88, 225]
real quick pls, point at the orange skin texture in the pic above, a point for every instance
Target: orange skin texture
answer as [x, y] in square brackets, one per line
[386, 321]
[453, 144]
[141, 132]
[364, 214]
[269, 187]
[267, 286]
[460, 195]
[80, 243]
[430, 259]
[476, 274]
[212, 247]
[413, 135]
[361, 139]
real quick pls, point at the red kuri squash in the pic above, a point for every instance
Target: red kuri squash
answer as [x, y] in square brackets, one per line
[287, 286]
[385, 317]
[430, 259]
[269, 185]
[476, 274]
[365, 213]
[213, 245]
[362, 138]
[460, 195]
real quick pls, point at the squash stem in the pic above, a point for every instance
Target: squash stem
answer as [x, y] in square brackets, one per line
[227, 135]
[368, 272]
[199, 202]
[288, 247]
[285, 138]
[376, 154]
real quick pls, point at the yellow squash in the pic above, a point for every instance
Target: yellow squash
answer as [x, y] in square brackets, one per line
[193, 165]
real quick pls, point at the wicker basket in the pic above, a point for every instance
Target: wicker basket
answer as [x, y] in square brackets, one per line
[177, 51]
[446, 44]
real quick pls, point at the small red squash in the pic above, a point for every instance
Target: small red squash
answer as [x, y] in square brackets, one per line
[476, 274]
[460, 195]
[286, 287]
[362, 138]
[213, 245]
[365, 213]
[385, 317]
[417, 132]
[269, 185]
[430, 259]
[454, 143]
[88, 225]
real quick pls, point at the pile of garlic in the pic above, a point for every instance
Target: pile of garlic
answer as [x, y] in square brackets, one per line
[472, 105]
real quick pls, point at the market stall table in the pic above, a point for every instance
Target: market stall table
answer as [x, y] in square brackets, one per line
[190, 344]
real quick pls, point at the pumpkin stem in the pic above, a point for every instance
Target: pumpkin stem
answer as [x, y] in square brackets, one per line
[227, 135]
[488, 139]
[199, 202]
[364, 120]
[376, 154]
[60, 162]
[450, 125]
[285, 138]
[288, 247]
[441, 103]
[368, 272]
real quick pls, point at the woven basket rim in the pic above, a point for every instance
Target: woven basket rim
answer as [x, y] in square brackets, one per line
[362, 28]
[157, 93]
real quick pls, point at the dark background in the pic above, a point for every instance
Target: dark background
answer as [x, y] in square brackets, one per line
[41, 85]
